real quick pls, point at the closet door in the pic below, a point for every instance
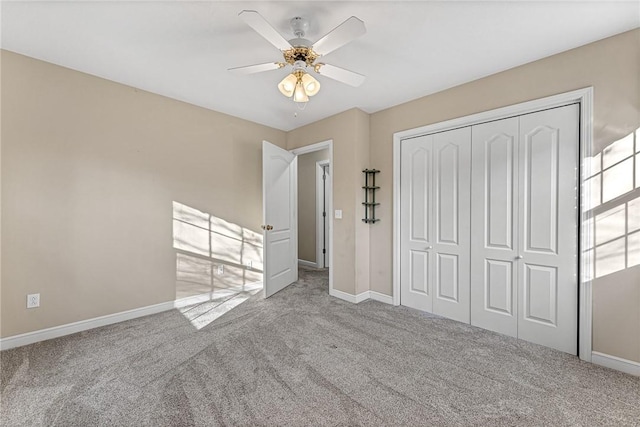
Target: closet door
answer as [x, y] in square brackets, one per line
[416, 211]
[435, 223]
[451, 236]
[494, 226]
[548, 212]
[524, 225]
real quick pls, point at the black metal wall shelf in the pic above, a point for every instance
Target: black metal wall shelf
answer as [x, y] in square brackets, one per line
[370, 196]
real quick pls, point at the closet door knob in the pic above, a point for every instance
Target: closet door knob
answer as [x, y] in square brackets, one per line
[519, 257]
[429, 247]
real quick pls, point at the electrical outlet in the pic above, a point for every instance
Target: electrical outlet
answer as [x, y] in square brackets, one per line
[33, 300]
[220, 269]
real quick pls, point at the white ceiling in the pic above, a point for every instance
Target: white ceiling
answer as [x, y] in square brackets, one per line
[182, 49]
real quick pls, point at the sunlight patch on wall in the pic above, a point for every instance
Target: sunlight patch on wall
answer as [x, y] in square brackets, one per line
[212, 237]
[217, 261]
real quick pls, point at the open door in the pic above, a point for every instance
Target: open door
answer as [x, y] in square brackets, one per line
[279, 188]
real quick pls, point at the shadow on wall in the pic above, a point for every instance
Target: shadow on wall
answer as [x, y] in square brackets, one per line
[218, 264]
[614, 211]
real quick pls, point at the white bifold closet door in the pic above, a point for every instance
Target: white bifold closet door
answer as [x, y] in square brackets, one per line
[524, 225]
[435, 234]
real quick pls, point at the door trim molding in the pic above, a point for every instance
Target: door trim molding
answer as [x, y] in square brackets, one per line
[582, 96]
[309, 149]
[320, 192]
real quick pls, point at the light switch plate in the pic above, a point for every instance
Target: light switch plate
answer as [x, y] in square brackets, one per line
[338, 213]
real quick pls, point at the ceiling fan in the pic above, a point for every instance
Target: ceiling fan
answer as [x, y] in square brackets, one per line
[303, 56]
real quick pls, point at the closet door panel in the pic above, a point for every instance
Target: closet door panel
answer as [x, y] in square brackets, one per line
[540, 184]
[499, 287]
[416, 188]
[451, 246]
[548, 285]
[494, 196]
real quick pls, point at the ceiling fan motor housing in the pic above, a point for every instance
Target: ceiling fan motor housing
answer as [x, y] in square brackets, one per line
[299, 26]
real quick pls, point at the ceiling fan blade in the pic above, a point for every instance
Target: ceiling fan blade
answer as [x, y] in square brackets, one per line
[262, 27]
[340, 74]
[258, 68]
[349, 30]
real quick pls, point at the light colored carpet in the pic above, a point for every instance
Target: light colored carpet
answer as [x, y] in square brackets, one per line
[304, 358]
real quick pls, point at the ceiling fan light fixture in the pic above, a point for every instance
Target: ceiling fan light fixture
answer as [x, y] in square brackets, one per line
[301, 54]
[288, 85]
[310, 84]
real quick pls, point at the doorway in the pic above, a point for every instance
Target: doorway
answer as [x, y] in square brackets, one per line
[280, 214]
[314, 195]
[320, 161]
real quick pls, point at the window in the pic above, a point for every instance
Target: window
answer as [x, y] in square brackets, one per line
[615, 207]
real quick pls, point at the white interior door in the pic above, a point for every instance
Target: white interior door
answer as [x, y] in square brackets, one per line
[451, 243]
[548, 241]
[494, 224]
[279, 172]
[435, 235]
[416, 211]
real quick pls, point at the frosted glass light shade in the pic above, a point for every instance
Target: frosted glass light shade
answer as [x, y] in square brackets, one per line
[311, 85]
[288, 85]
[299, 94]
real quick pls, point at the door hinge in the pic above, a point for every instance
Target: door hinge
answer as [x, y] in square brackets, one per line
[324, 177]
[324, 251]
[324, 214]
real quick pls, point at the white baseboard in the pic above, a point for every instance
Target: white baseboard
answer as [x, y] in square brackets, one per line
[362, 297]
[355, 299]
[109, 319]
[617, 363]
[343, 295]
[307, 263]
[82, 325]
[377, 296]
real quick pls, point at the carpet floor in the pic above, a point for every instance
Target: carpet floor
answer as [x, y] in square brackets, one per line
[303, 358]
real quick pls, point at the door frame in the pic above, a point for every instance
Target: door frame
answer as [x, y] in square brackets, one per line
[322, 191]
[310, 149]
[584, 97]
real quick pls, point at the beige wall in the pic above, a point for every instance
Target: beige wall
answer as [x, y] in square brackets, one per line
[349, 132]
[307, 198]
[611, 66]
[616, 325]
[90, 173]
[362, 160]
